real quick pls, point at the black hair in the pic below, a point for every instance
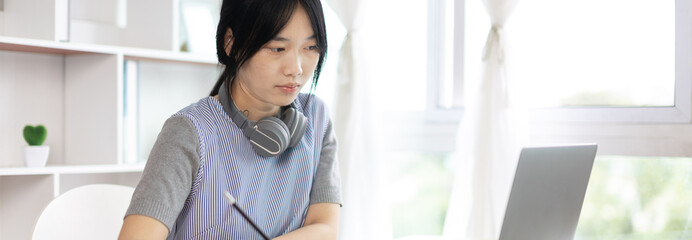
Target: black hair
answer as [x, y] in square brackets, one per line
[253, 24]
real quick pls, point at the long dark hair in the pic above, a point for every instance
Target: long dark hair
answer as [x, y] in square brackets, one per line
[253, 24]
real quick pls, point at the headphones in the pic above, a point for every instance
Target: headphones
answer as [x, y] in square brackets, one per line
[270, 136]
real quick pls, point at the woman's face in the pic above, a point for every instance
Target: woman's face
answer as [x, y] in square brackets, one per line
[274, 76]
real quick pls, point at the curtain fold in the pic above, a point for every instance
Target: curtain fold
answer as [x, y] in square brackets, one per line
[493, 130]
[365, 214]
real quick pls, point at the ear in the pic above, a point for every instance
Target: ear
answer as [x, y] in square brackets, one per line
[228, 41]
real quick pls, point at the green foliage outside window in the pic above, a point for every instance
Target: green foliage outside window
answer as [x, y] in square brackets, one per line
[632, 198]
[422, 184]
[628, 198]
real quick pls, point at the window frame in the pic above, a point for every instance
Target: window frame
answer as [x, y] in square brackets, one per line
[555, 125]
[681, 112]
[438, 64]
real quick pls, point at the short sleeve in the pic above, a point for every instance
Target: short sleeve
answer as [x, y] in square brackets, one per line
[169, 173]
[326, 186]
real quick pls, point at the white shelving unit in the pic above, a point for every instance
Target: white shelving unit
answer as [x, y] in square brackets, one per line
[67, 65]
[80, 169]
[25, 191]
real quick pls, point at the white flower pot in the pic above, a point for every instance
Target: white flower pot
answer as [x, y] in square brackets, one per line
[36, 156]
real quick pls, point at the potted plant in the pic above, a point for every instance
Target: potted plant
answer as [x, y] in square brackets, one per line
[35, 155]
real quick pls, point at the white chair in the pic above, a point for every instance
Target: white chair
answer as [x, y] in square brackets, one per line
[93, 211]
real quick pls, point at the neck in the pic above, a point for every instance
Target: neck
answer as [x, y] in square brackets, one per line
[249, 105]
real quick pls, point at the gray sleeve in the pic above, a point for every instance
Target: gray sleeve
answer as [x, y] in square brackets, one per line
[326, 186]
[169, 173]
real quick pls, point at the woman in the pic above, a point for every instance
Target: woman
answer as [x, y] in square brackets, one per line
[256, 137]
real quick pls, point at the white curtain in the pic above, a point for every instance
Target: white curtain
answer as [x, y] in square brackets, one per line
[365, 214]
[491, 134]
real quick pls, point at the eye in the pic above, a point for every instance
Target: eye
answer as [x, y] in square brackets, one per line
[312, 48]
[277, 49]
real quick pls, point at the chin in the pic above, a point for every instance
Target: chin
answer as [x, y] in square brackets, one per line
[286, 101]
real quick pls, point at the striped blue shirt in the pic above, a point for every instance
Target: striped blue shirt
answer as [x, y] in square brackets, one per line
[275, 192]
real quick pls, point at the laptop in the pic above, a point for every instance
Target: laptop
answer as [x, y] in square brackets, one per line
[548, 192]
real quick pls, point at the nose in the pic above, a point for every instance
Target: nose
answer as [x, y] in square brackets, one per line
[293, 65]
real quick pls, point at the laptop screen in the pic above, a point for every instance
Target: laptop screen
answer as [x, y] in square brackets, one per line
[548, 192]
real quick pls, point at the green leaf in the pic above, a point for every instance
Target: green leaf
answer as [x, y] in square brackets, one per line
[35, 136]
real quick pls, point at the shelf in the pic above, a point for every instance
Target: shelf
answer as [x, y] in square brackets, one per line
[73, 169]
[66, 48]
[79, 65]
[159, 55]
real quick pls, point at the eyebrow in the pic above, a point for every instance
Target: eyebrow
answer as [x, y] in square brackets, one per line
[283, 39]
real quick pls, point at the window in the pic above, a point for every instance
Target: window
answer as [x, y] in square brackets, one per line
[633, 106]
[603, 63]
[405, 50]
[400, 62]
[594, 56]
[612, 66]
[397, 51]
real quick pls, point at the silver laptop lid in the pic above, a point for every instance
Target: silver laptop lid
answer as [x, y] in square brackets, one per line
[548, 192]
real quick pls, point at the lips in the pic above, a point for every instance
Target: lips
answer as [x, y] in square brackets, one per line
[289, 88]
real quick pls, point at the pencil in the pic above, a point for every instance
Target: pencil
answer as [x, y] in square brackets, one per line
[230, 199]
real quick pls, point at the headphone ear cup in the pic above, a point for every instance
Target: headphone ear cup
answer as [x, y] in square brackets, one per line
[270, 137]
[296, 123]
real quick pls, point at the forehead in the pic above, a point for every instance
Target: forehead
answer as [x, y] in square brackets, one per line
[298, 27]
